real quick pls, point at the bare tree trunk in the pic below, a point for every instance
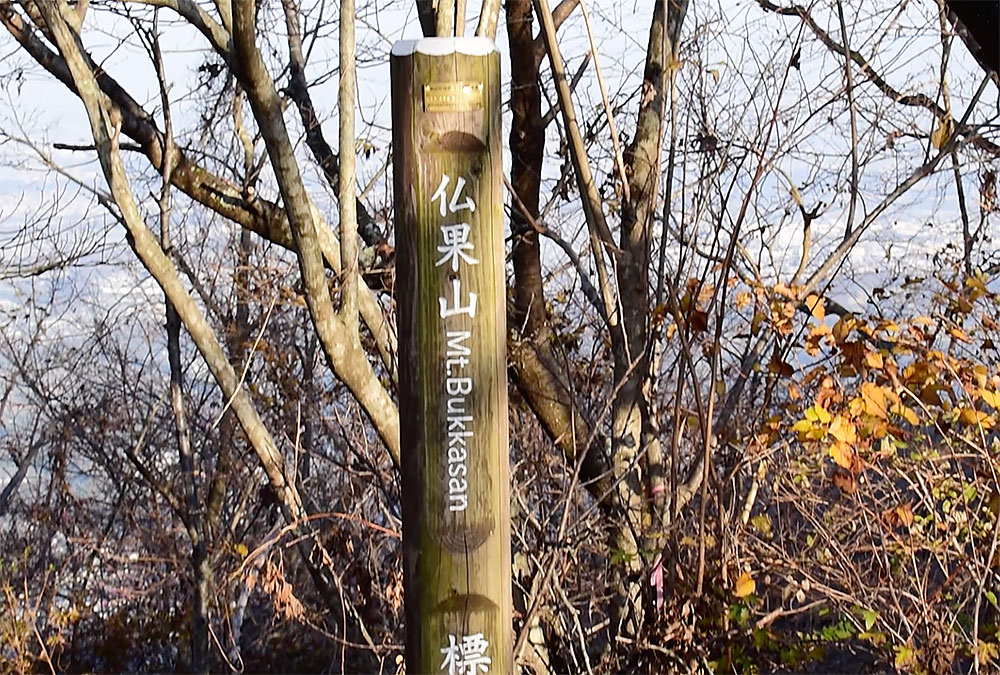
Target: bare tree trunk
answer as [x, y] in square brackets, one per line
[310, 410]
[201, 570]
[630, 411]
[345, 187]
[298, 90]
[537, 372]
[346, 357]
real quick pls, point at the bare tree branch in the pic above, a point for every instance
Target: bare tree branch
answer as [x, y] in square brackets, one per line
[345, 356]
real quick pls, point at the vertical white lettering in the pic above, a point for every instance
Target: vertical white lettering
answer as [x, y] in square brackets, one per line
[455, 339]
[440, 194]
[458, 386]
[457, 308]
[456, 249]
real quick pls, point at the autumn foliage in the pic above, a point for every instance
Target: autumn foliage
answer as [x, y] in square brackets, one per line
[868, 532]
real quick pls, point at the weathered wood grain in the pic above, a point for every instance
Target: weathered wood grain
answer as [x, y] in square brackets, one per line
[453, 404]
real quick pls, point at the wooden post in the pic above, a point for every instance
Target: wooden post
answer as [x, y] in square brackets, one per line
[452, 346]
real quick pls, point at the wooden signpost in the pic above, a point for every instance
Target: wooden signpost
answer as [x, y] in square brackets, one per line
[453, 372]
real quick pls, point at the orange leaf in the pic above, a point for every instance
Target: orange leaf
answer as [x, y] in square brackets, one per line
[843, 328]
[816, 307]
[845, 480]
[698, 321]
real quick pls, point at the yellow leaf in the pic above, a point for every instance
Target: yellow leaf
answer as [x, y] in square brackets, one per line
[974, 417]
[783, 290]
[874, 399]
[856, 406]
[991, 399]
[959, 334]
[802, 426]
[241, 548]
[988, 651]
[821, 414]
[941, 134]
[742, 299]
[745, 585]
[816, 433]
[905, 513]
[908, 414]
[762, 523]
[874, 360]
[976, 284]
[843, 430]
[905, 657]
[842, 454]
[816, 306]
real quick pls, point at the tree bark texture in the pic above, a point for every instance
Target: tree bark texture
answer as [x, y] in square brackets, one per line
[537, 372]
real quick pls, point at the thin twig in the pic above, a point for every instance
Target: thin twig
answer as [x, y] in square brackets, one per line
[246, 365]
[854, 122]
[612, 127]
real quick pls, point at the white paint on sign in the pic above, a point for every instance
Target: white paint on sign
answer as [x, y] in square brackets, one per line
[456, 250]
[445, 310]
[456, 246]
[458, 431]
[453, 206]
[467, 657]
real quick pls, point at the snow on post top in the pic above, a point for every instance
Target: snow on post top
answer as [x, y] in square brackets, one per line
[442, 46]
